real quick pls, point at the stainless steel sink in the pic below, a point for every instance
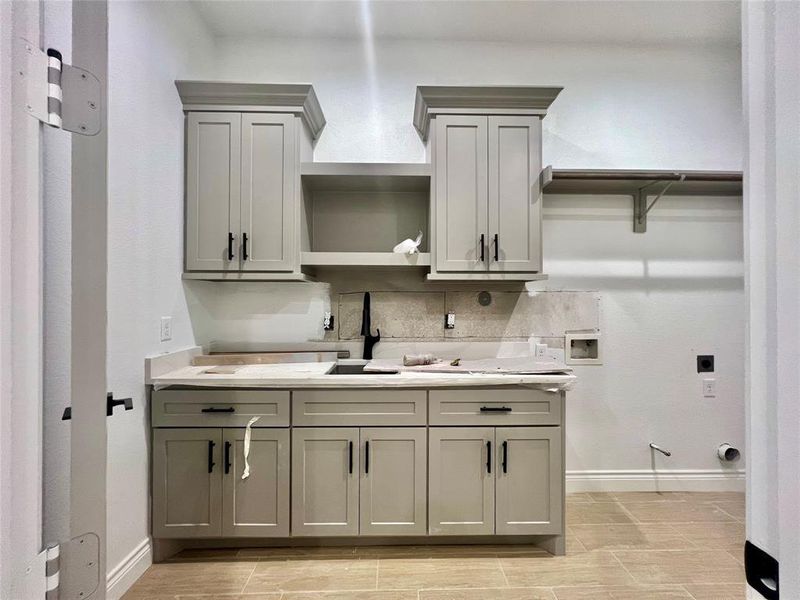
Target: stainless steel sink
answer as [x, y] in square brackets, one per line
[354, 370]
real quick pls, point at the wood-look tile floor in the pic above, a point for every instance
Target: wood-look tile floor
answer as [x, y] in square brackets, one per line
[622, 546]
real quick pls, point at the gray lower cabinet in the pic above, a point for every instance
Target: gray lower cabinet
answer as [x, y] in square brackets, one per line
[325, 481]
[257, 506]
[351, 481]
[393, 486]
[198, 490]
[187, 483]
[503, 480]
[461, 481]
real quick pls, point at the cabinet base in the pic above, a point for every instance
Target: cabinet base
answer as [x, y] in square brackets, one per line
[164, 549]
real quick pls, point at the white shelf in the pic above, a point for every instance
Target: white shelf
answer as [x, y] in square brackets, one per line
[388, 177]
[365, 259]
[246, 276]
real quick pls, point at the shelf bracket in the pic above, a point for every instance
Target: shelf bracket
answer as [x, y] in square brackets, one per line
[641, 207]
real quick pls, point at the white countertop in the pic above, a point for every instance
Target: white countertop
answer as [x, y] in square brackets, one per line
[314, 375]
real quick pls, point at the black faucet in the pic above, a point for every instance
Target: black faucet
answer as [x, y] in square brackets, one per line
[366, 326]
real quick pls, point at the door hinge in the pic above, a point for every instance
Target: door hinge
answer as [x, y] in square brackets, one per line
[58, 94]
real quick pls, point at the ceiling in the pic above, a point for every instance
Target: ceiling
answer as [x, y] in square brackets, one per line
[711, 22]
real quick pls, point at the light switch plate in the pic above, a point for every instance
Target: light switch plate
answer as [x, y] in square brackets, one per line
[710, 388]
[166, 329]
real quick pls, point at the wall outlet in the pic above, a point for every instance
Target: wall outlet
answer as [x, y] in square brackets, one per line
[541, 351]
[710, 388]
[166, 329]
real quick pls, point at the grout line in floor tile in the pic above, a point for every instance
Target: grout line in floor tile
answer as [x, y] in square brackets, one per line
[244, 587]
[503, 571]
[627, 512]
[636, 581]
[722, 510]
[686, 589]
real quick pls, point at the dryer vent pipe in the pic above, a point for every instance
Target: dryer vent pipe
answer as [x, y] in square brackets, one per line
[728, 453]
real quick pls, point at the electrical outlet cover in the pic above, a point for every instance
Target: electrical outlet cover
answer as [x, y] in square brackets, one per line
[166, 329]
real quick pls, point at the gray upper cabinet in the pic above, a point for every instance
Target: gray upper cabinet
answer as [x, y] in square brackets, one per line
[187, 486]
[461, 481]
[244, 145]
[393, 481]
[269, 171]
[486, 155]
[515, 205]
[213, 159]
[529, 480]
[461, 193]
[257, 506]
[325, 481]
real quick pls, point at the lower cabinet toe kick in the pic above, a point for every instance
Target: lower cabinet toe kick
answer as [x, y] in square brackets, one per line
[300, 467]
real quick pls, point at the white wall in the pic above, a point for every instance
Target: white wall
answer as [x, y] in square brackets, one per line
[150, 45]
[667, 295]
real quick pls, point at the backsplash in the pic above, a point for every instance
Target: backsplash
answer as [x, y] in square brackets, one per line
[510, 315]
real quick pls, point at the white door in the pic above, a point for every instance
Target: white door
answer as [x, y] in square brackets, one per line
[325, 481]
[461, 480]
[394, 491]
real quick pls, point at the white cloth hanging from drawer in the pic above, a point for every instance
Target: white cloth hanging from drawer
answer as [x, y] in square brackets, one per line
[247, 433]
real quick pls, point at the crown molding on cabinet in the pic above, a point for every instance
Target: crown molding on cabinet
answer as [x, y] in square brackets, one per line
[500, 99]
[298, 98]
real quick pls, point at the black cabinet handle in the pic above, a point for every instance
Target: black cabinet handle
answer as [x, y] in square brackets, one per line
[496, 247]
[230, 245]
[214, 409]
[503, 409]
[350, 457]
[505, 457]
[483, 247]
[227, 457]
[211, 462]
[245, 256]
[366, 457]
[488, 457]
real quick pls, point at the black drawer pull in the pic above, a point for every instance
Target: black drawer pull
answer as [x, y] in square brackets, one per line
[245, 256]
[227, 457]
[214, 409]
[230, 245]
[503, 409]
[488, 457]
[483, 247]
[496, 248]
[505, 457]
[350, 457]
[211, 462]
[366, 457]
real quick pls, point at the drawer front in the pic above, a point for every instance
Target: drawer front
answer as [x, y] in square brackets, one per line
[220, 408]
[495, 407]
[354, 408]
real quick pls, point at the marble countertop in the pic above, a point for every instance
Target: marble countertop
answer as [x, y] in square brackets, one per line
[315, 375]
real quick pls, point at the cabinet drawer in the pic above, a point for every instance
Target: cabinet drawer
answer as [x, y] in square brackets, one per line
[220, 408]
[355, 408]
[495, 407]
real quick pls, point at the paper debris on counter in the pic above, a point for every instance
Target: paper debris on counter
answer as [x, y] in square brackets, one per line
[223, 369]
[520, 365]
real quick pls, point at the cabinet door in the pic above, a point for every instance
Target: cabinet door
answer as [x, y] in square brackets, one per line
[187, 483]
[325, 481]
[461, 193]
[259, 505]
[461, 480]
[269, 170]
[393, 484]
[515, 201]
[529, 480]
[213, 146]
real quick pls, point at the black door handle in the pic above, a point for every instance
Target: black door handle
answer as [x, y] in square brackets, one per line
[211, 462]
[245, 256]
[111, 403]
[496, 247]
[505, 457]
[230, 245]
[483, 247]
[214, 409]
[505, 409]
[227, 457]
[350, 457]
[366, 457]
[488, 457]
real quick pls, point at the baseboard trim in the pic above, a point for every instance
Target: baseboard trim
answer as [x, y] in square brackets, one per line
[120, 579]
[647, 480]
